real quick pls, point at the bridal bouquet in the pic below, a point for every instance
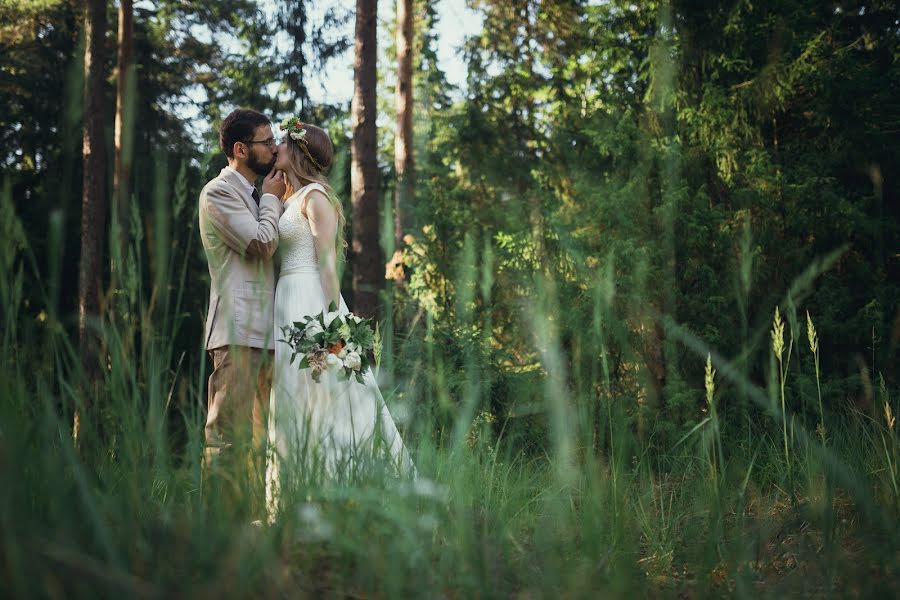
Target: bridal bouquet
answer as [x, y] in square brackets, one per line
[332, 342]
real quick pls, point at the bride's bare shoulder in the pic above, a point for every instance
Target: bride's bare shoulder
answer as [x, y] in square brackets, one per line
[316, 201]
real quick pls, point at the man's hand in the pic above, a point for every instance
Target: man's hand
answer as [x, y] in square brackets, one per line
[273, 183]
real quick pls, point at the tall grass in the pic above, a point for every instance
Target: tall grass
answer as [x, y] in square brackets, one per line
[570, 514]
[125, 514]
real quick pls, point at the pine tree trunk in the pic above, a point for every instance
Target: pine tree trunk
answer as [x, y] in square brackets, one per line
[367, 262]
[403, 145]
[123, 133]
[93, 204]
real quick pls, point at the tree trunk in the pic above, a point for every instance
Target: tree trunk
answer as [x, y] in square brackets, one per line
[123, 138]
[403, 144]
[93, 205]
[292, 20]
[367, 262]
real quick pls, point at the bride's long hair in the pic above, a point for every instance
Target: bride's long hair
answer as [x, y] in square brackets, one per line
[310, 160]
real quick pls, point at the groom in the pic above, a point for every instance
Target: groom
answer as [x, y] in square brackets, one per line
[239, 231]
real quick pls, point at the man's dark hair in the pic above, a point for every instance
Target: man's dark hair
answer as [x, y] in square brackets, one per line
[239, 127]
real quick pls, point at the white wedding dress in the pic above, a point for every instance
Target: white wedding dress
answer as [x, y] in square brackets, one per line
[332, 425]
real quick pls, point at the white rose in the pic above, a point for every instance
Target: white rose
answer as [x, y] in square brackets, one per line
[329, 317]
[333, 363]
[313, 329]
[353, 361]
[343, 353]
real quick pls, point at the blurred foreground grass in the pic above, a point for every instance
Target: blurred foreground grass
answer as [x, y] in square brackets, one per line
[496, 511]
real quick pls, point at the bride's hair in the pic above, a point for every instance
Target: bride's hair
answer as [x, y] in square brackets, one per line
[310, 160]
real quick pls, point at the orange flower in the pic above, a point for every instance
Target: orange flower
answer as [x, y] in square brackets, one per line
[335, 348]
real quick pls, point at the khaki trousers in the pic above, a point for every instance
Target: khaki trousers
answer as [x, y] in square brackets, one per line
[236, 421]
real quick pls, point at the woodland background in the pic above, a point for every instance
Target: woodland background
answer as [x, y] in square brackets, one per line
[621, 190]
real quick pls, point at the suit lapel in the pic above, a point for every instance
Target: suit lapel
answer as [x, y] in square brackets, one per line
[234, 181]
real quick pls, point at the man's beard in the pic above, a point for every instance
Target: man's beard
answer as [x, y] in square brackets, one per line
[260, 168]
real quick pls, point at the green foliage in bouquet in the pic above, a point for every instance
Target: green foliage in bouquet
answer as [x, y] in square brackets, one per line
[331, 341]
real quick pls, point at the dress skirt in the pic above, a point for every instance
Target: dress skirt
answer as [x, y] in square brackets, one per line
[329, 427]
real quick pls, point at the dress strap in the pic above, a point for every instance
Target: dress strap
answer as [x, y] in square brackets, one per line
[304, 194]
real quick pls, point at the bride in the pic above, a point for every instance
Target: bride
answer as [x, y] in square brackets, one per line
[331, 425]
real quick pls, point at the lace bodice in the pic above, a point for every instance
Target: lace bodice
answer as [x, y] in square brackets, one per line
[296, 243]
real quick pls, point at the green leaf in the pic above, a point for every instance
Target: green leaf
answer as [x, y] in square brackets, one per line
[692, 431]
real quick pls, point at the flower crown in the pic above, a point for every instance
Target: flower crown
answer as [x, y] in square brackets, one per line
[297, 132]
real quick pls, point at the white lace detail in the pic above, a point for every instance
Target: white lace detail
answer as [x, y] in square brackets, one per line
[296, 243]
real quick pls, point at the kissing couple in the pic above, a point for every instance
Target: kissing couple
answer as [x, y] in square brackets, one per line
[269, 422]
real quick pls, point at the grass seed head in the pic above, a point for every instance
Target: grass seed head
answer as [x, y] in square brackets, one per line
[376, 350]
[777, 334]
[710, 380]
[811, 334]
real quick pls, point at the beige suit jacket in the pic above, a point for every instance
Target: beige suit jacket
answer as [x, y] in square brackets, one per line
[239, 239]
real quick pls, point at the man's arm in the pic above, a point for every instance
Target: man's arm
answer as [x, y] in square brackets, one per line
[246, 235]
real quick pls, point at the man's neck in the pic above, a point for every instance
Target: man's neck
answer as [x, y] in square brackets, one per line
[244, 170]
